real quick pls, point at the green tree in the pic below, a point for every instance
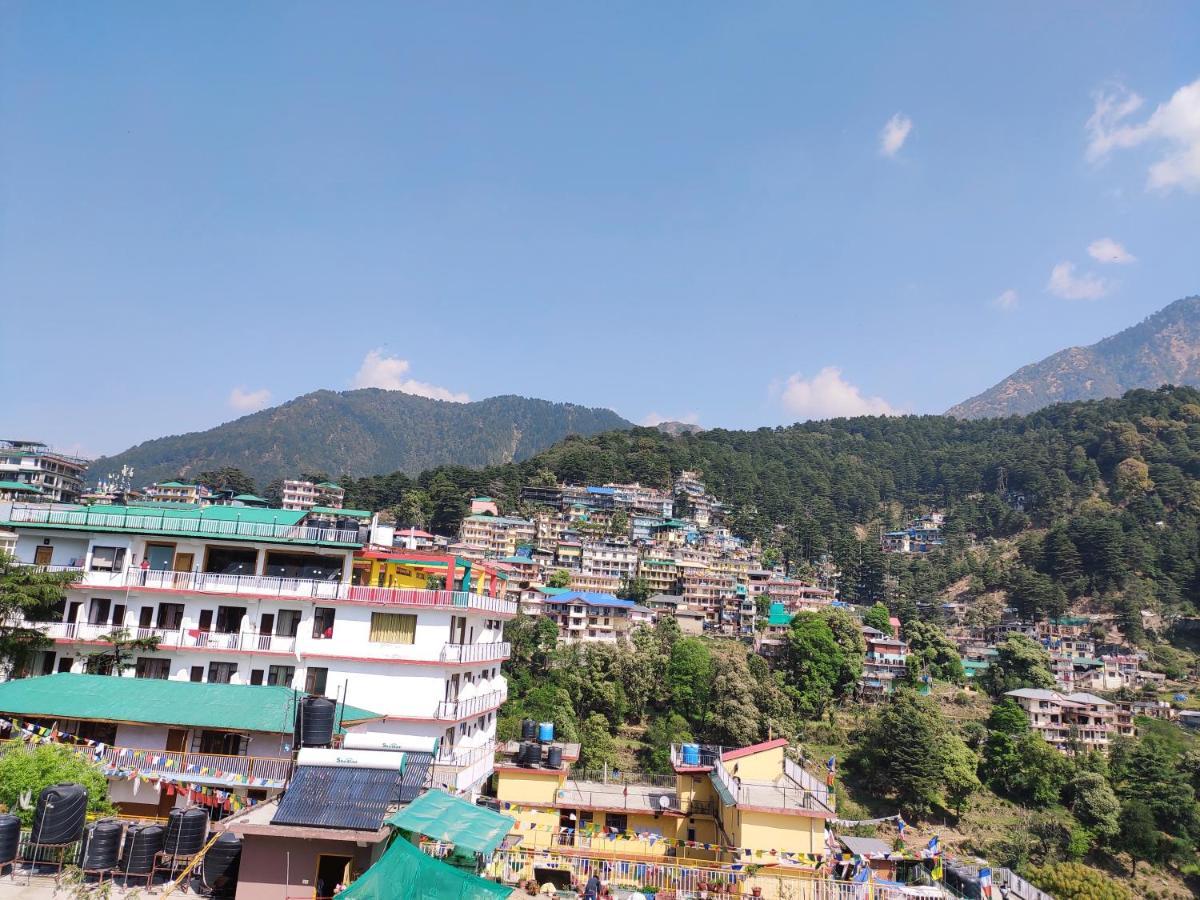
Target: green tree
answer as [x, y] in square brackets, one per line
[734, 721]
[227, 478]
[663, 731]
[120, 653]
[1138, 835]
[635, 589]
[849, 638]
[813, 664]
[689, 679]
[935, 652]
[25, 770]
[879, 618]
[597, 747]
[449, 506]
[27, 593]
[1019, 663]
[1024, 767]
[1092, 801]
[1075, 881]
[414, 510]
[559, 578]
[619, 523]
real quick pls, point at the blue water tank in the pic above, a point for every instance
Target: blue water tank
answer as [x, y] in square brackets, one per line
[545, 732]
[691, 754]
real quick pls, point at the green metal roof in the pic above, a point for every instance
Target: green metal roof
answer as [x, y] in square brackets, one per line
[234, 707]
[779, 615]
[338, 511]
[328, 484]
[251, 498]
[19, 486]
[175, 484]
[443, 817]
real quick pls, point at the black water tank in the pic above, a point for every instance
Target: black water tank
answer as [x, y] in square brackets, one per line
[10, 838]
[186, 831]
[142, 843]
[528, 729]
[523, 753]
[554, 757]
[101, 846]
[221, 864]
[314, 722]
[59, 815]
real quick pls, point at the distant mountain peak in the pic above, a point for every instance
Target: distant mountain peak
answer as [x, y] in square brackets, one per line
[1162, 349]
[366, 431]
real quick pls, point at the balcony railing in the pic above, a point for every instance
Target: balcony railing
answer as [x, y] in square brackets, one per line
[172, 638]
[784, 795]
[87, 518]
[253, 771]
[463, 770]
[465, 653]
[454, 710]
[300, 588]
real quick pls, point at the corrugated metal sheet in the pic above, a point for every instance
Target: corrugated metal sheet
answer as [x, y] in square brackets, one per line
[360, 799]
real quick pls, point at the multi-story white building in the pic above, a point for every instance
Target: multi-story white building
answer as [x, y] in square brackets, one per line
[614, 559]
[56, 477]
[304, 495]
[177, 492]
[1068, 720]
[240, 595]
[496, 536]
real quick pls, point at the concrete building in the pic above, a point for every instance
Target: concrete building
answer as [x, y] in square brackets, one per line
[304, 495]
[56, 476]
[264, 597]
[584, 616]
[497, 536]
[1067, 721]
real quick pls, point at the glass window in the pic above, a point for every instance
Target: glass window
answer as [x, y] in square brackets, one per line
[281, 675]
[221, 672]
[393, 628]
[323, 622]
[108, 559]
[153, 667]
[316, 679]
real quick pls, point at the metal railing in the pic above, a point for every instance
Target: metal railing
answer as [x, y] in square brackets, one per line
[172, 638]
[781, 795]
[263, 770]
[161, 523]
[463, 770]
[462, 653]
[453, 710]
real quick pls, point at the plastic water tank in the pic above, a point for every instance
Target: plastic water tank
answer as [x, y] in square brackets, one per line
[528, 729]
[691, 754]
[59, 815]
[186, 831]
[101, 846]
[142, 843]
[554, 757]
[528, 754]
[10, 838]
[221, 864]
[314, 721]
[546, 732]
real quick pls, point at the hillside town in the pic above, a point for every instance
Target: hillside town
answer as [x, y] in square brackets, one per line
[316, 677]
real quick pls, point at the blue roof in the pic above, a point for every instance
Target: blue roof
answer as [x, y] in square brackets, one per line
[601, 490]
[593, 598]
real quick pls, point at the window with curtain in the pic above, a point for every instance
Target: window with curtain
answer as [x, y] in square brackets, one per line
[393, 628]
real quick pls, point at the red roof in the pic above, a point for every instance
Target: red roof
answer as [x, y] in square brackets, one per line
[753, 748]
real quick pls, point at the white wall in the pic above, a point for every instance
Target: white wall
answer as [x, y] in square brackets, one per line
[68, 550]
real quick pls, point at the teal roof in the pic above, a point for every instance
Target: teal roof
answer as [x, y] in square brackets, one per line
[19, 486]
[779, 615]
[174, 484]
[328, 484]
[234, 707]
[338, 511]
[251, 498]
[438, 815]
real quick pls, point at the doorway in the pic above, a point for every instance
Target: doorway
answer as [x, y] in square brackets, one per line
[266, 625]
[42, 555]
[184, 561]
[331, 871]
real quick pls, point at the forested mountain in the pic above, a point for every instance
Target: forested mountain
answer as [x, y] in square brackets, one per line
[363, 432]
[1164, 349]
[1104, 495]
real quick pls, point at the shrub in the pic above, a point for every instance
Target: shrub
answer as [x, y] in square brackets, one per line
[1075, 881]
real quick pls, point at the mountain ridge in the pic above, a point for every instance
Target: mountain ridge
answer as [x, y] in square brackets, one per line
[363, 432]
[1164, 348]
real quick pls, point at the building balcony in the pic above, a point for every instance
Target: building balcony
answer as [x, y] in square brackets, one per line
[456, 710]
[462, 771]
[171, 638]
[160, 524]
[266, 586]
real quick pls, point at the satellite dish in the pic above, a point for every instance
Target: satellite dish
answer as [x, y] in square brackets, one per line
[664, 801]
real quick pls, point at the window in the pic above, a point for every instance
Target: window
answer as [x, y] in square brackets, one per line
[108, 559]
[197, 673]
[287, 624]
[170, 615]
[221, 672]
[98, 611]
[619, 821]
[224, 743]
[64, 664]
[315, 680]
[256, 676]
[229, 619]
[281, 675]
[393, 628]
[323, 622]
[152, 667]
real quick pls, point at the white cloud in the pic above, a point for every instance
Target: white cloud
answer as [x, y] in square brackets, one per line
[387, 372]
[1175, 124]
[827, 395]
[894, 134]
[1007, 300]
[1066, 284]
[653, 418]
[1106, 250]
[245, 401]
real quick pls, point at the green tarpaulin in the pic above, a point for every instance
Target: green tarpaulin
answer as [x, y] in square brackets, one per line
[438, 815]
[404, 871]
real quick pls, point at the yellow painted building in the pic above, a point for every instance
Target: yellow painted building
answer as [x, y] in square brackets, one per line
[413, 569]
[750, 804]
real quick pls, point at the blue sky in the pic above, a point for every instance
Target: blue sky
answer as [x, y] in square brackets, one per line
[740, 214]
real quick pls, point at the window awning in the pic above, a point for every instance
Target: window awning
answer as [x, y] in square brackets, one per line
[438, 815]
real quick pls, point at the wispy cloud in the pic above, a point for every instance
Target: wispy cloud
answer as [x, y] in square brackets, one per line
[245, 401]
[894, 134]
[1174, 124]
[1007, 301]
[1106, 250]
[388, 372]
[653, 418]
[827, 395]
[1065, 283]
